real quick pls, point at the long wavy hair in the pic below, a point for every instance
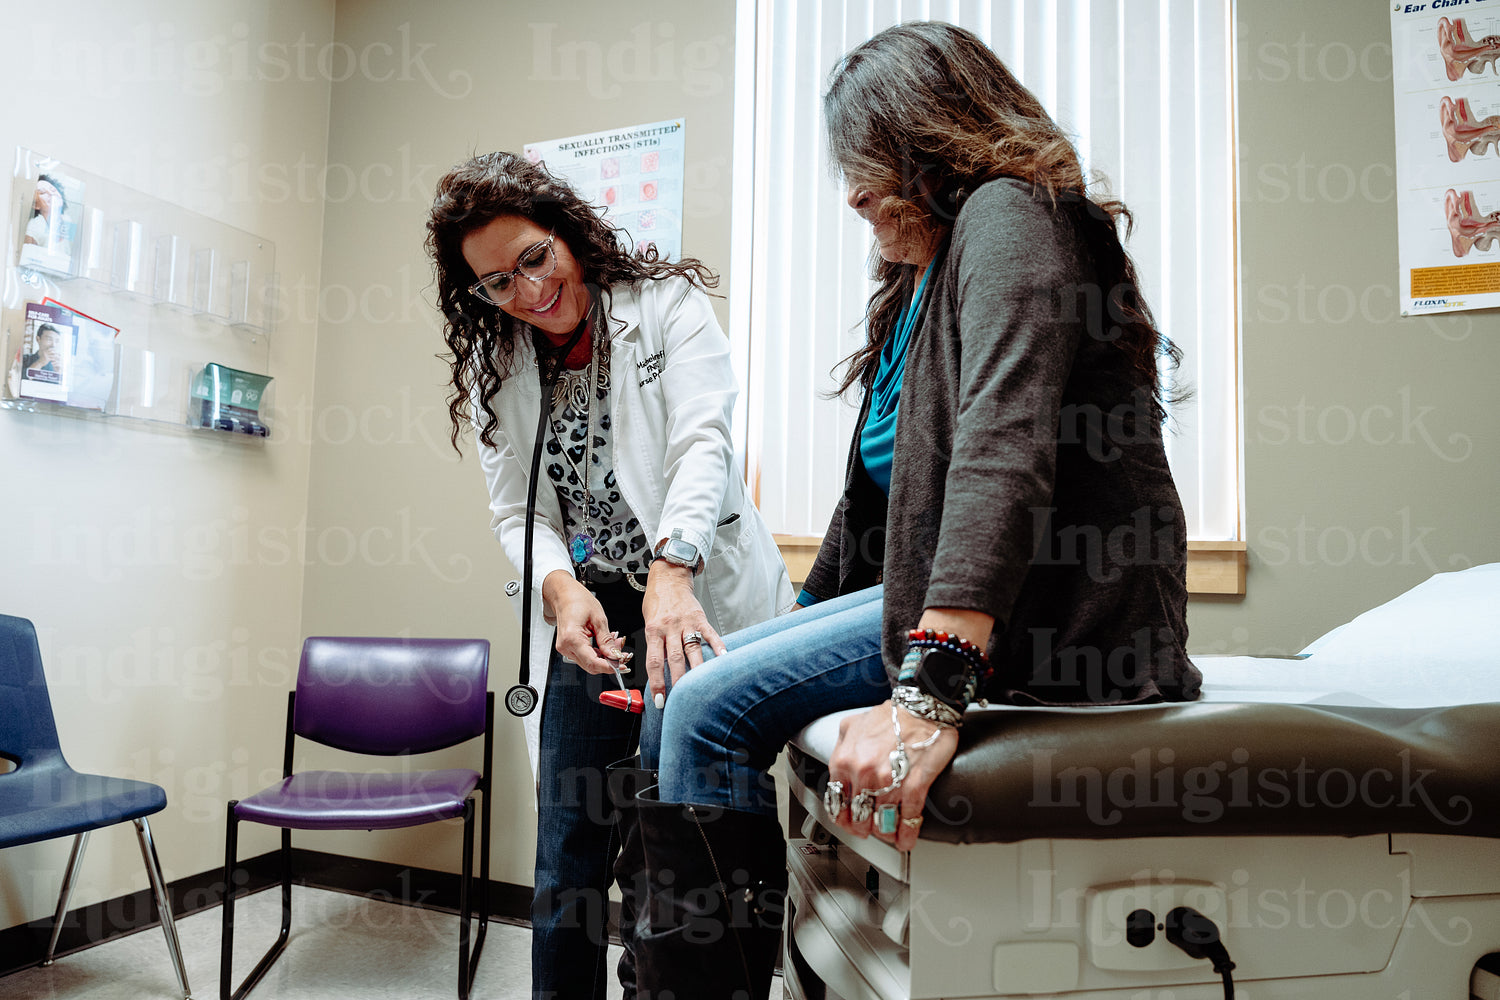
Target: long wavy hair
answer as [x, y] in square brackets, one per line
[482, 337]
[925, 111]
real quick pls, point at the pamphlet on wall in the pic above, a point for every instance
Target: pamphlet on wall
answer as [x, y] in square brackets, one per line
[227, 399]
[91, 364]
[56, 204]
[40, 367]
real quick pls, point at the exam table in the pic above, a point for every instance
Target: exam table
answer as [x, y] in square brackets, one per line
[1335, 815]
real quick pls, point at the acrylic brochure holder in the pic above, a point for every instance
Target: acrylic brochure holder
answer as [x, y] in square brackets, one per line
[119, 304]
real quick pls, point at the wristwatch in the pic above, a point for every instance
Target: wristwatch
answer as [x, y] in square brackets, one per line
[946, 676]
[679, 552]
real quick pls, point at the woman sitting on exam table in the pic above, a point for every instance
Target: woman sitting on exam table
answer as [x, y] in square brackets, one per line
[645, 541]
[1009, 528]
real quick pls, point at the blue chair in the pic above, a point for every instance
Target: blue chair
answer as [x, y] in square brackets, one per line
[389, 698]
[44, 798]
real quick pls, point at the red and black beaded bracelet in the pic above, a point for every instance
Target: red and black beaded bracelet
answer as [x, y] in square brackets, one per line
[936, 639]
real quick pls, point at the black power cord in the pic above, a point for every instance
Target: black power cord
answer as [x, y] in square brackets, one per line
[1198, 937]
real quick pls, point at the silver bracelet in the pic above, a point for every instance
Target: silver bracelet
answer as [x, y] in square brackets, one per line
[900, 762]
[900, 741]
[925, 706]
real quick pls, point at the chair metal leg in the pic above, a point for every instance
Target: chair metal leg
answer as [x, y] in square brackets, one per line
[226, 935]
[163, 904]
[468, 960]
[465, 972]
[484, 874]
[65, 895]
[226, 952]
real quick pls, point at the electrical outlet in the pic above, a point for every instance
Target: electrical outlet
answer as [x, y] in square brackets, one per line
[1125, 923]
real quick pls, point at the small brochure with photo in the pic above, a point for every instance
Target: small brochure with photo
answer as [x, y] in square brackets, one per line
[42, 367]
[91, 363]
[52, 223]
[227, 399]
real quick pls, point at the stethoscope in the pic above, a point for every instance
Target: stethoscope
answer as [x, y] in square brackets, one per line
[521, 699]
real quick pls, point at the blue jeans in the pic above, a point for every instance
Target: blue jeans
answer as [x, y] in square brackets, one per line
[576, 840]
[726, 721]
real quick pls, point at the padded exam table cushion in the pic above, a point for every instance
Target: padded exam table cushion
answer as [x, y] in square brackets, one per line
[1216, 770]
[1388, 724]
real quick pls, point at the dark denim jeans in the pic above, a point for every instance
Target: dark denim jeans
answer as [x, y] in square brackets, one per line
[576, 839]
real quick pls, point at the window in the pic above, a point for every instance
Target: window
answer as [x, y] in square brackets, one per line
[1145, 89]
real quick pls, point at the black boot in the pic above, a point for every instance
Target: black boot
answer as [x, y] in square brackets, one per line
[625, 780]
[716, 892]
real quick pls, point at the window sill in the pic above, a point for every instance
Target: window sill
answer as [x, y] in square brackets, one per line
[1216, 568]
[1213, 567]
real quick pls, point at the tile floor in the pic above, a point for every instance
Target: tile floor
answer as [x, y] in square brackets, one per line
[342, 947]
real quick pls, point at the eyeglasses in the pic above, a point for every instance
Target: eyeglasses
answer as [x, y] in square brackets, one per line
[536, 263]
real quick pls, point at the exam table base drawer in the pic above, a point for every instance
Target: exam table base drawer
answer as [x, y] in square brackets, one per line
[1404, 917]
[1435, 972]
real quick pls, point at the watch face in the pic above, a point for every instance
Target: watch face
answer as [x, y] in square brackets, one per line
[680, 552]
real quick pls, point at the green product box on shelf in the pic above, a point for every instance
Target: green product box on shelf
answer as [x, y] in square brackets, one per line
[227, 399]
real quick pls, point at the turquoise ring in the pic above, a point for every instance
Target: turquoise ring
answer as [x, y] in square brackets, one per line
[886, 816]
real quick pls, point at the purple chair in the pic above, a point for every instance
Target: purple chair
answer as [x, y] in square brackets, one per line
[44, 798]
[386, 697]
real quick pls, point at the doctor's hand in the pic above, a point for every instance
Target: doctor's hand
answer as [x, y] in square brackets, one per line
[582, 629]
[676, 627]
[862, 760]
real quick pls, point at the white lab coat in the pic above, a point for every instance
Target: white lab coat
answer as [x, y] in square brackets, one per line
[672, 392]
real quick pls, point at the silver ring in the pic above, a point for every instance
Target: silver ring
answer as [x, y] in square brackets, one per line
[833, 798]
[692, 638]
[862, 806]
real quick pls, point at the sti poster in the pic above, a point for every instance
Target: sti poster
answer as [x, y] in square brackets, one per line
[634, 175]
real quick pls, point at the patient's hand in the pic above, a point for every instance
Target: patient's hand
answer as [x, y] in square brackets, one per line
[862, 759]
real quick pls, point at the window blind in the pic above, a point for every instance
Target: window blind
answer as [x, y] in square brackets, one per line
[1144, 87]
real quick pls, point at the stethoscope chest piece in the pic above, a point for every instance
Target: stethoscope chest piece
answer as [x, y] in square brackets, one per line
[521, 700]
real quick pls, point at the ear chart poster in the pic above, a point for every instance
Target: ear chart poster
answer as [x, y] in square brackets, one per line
[1447, 101]
[634, 174]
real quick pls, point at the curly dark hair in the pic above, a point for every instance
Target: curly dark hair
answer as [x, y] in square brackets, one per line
[481, 337]
[926, 111]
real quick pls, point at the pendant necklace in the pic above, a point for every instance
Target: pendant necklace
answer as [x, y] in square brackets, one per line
[581, 545]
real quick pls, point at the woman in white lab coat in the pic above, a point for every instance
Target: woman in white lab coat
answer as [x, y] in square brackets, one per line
[653, 551]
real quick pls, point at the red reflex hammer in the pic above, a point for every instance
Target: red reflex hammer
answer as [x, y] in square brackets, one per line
[628, 700]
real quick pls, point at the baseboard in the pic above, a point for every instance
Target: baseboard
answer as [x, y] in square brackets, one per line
[23, 946]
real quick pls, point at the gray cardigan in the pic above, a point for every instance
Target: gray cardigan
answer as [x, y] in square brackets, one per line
[1029, 479]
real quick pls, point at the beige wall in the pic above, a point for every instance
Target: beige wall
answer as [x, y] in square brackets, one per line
[172, 665]
[500, 75]
[168, 644]
[1371, 459]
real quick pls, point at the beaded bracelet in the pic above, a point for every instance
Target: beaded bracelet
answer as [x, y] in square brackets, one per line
[934, 639]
